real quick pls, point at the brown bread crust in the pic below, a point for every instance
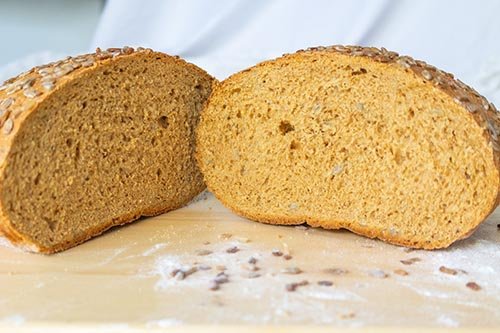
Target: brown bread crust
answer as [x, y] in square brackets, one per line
[21, 95]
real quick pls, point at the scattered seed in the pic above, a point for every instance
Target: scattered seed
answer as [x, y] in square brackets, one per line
[213, 286]
[291, 270]
[301, 227]
[206, 243]
[250, 267]
[293, 286]
[325, 283]
[242, 239]
[221, 278]
[409, 249]
[225, 236]
[181, 274]
[232, 249]
[336, 271]
[447, 270]
[204, 267]
[498, 226]
[378, 273]
[349, 315]
[277, 253]
[203, 252]
[252, 260]
[401, 272]
[473, 286]
[253, 275]
[410, 261]
[287, 257]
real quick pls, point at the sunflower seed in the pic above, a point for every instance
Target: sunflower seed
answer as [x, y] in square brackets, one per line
[8, 126]
[7, 102]
[427, 75]
[48, 85]
[31, 93]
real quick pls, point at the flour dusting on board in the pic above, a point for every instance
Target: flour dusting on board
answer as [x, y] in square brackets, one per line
[203, 265]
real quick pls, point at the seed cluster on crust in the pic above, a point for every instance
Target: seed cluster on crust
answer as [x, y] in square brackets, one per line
[485, 113]
[20, 92]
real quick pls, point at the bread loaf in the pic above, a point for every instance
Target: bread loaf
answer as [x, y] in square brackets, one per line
[96, 141]
[355, 138]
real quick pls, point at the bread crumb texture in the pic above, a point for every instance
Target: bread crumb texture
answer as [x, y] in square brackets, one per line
[95, 141]
[355, 138]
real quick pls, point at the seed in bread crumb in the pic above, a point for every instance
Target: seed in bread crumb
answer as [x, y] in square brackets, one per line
[220, 267]
[287, 257]
[252, 260]
[336, 271]
[473, 286]
[325, 283]
[447, 270]
[232, 249]
[277, 253]
[410, 261]
[401, 272]
[203, 252]
[378, 273]
[293, 286]
[291, 270]
[206, 243]
[498, 226]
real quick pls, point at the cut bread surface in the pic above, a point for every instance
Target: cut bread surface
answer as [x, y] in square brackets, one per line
[109, 142]
[354, 138]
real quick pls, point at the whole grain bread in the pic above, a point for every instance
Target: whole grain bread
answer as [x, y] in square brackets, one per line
[95, 141]
[355, 138]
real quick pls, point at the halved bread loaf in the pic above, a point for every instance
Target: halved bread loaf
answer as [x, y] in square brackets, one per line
[355, 138]
[95, 141]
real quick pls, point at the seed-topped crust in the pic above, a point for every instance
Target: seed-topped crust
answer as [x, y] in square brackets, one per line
[484, 112]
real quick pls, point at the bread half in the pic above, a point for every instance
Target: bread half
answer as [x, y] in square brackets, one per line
[95, 141]
[355, 138]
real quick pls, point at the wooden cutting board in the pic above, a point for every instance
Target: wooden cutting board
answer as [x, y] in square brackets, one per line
[158, 272]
